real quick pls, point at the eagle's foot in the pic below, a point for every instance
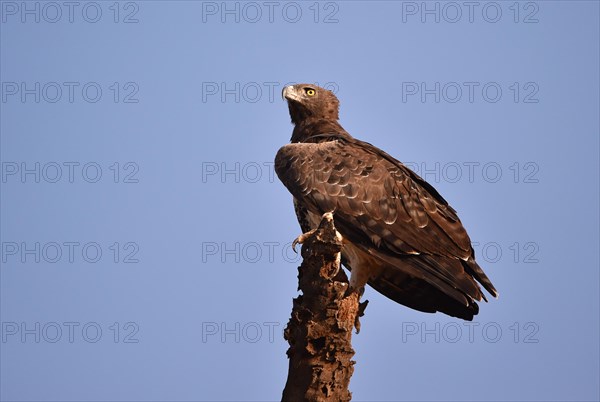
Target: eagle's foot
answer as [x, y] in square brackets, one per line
[301, 239]
[350, 290]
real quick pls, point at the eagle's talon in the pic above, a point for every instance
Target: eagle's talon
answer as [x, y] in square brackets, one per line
[301, 239]
[361, 311]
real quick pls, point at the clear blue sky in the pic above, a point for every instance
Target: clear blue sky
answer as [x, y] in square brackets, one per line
[145, 239]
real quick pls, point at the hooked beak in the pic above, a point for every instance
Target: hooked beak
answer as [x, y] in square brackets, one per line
[289, 93]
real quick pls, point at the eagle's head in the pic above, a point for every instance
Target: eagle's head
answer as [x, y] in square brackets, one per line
[310, 102]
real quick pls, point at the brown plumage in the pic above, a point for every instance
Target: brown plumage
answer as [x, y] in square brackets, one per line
[400, 236]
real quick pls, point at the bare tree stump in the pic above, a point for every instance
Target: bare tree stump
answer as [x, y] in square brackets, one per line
[320, 329]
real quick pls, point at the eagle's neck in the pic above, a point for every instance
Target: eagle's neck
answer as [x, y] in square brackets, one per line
[318, 130]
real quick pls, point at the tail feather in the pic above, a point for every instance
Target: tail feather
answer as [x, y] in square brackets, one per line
[472, 268]
[419, 295]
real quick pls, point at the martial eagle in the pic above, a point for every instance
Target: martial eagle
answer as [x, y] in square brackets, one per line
[399, 234]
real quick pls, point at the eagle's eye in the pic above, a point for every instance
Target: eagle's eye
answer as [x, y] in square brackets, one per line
[309, 91]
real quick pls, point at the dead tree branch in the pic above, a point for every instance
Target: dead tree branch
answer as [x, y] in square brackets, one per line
[320, 329]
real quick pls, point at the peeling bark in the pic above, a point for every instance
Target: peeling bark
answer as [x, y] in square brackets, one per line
[320, 328]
